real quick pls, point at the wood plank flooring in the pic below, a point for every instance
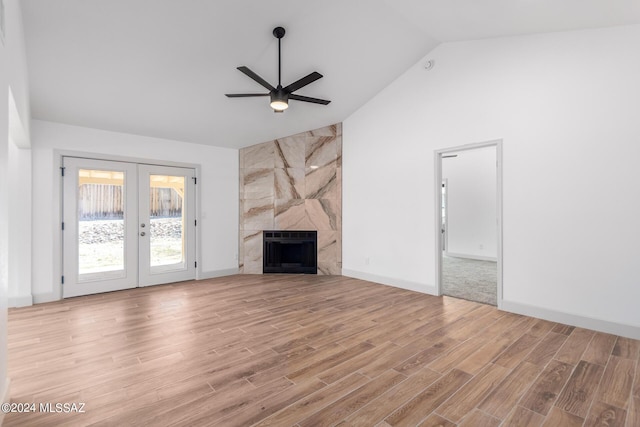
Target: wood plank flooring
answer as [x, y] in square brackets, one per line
[283, 350]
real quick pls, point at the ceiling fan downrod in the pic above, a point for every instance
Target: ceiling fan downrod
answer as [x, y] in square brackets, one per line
[279, 32]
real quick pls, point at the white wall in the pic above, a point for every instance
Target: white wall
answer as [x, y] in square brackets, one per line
[14, 132]
[19, 191]
[218, 186]
[16, 70]
[4, 224]
[471, 203]
[566, 107]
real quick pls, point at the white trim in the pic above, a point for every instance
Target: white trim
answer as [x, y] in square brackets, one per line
[6, 396]
[592, 323]
[499, 267]
[21, 301]
[46, 297]
[397, 283]
[218, 273]
[595, 324]
[438, 195]
[445, 235]
[126, 159]
[437, 170]
[467, 256]
[198, 218]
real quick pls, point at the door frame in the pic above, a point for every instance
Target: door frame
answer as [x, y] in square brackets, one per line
[438, 203]
[443, 227]
[57, 205]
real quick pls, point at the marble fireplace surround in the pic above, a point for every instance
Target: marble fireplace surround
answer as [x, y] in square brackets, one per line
[292, 183]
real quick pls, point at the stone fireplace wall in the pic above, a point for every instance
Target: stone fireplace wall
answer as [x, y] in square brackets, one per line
[293, 183]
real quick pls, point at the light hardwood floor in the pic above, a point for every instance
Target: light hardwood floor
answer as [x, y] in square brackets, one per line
[310, 351]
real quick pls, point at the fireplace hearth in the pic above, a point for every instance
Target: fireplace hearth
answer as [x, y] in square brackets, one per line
[294, 252]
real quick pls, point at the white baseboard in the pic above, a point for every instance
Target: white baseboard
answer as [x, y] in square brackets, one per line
[601, 325]
[467, 256]
[20, 301]
[217, 273]
[6, 396]
[48, 297]
[606, 326]
[398, 283]
[54, 296]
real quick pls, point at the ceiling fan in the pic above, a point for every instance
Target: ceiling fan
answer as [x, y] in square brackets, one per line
[280, 96]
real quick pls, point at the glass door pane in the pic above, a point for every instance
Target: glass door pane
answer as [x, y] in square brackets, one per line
[166, 220]
[100, 222]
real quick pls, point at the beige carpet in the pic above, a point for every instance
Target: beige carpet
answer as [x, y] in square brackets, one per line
[470, 279]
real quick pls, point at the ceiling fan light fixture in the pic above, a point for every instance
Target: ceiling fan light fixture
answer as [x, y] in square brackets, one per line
[279, 100]
[279, 105]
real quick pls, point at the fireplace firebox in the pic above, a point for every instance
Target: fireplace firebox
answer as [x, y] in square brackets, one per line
[290, 252]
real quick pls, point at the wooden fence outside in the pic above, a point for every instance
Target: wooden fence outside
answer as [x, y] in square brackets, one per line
[101, 201]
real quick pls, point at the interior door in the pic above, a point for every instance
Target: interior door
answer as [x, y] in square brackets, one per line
[166, 224]
[99, 226]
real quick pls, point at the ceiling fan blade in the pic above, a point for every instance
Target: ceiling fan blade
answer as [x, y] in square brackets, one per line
[308, 99]
[244, 95]
[303, 82]
[256, 77]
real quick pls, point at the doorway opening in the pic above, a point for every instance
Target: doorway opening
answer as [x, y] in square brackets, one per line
[126, 225]
[469, 223]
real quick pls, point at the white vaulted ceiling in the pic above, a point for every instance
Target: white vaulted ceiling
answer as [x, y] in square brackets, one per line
[161, 67]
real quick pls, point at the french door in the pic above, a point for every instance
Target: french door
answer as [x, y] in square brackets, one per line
[166, 226]
[126, 225]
